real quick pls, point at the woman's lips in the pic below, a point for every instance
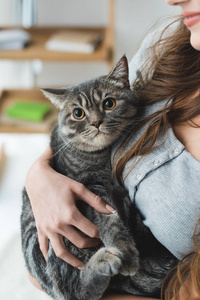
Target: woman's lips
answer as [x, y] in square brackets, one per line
[191, 18]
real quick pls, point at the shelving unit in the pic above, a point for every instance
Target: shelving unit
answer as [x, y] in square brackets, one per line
[36, 50]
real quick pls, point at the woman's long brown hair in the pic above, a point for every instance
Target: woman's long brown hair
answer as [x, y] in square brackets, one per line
[172, 72]
[188, 268]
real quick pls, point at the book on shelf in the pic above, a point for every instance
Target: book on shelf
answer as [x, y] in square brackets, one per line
[13, 39]
[78, 41]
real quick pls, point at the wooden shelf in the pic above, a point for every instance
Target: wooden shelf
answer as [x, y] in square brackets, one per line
[8, 124]
[36, 49]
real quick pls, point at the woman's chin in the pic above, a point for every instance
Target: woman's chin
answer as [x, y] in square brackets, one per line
[195, 40]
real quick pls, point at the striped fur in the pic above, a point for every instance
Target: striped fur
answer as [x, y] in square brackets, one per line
[81, 151]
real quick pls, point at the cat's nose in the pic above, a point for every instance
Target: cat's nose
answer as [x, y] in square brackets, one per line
[96, 123]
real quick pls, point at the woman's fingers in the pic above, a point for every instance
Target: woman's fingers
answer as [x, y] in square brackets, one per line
[44, 244]
[83, 224]
[76, 238]
[82, 193]
[59, 247]
[72, 217]
[61, 251]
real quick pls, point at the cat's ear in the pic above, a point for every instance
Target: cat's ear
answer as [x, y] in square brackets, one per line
[120, 72]
[56, 96]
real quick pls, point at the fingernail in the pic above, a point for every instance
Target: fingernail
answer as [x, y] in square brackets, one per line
[111, 209]
[97, 236]
[80, 268]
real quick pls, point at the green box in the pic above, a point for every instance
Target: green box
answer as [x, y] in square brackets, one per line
[29, 111]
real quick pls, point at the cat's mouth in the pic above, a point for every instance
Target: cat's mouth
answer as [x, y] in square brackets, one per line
[97, 140]
[99, 132]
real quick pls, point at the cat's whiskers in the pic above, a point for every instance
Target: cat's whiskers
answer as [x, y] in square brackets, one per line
[119, 129]
[60, 149]
[89, 134]
[65, 145]
[55, 132]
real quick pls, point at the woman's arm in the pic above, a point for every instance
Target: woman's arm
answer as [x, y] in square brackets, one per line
[188, 291]
[53, 200]
[125, 297]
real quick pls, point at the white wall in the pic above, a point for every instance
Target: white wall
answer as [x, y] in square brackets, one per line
[133, 19]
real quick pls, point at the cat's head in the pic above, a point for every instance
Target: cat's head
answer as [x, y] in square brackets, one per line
[94, 113]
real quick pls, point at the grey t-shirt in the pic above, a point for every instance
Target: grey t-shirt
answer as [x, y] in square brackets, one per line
[165, 184]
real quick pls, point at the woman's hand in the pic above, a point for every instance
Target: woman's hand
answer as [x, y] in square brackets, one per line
[53, 199]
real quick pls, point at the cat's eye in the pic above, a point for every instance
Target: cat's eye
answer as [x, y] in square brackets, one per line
[78, 113]
[109, 104]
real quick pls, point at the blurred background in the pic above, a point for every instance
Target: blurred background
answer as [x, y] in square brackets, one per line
[132, 20]
[50, 43]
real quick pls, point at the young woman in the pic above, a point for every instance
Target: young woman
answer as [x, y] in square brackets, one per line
[161, 169]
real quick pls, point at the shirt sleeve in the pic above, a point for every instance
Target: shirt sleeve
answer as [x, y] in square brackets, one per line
[168, 199]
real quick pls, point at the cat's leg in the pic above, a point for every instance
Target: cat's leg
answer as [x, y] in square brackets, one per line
[114, 234]
[95, 276]
[91, 282]
[118, 256]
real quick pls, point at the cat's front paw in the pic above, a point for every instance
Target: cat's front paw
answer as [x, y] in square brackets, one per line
[108, 261]
[130, 260]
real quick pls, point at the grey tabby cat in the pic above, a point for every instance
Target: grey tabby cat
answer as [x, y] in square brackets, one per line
[92, 117]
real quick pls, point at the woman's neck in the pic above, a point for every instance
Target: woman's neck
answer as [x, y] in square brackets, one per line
[189, 136]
